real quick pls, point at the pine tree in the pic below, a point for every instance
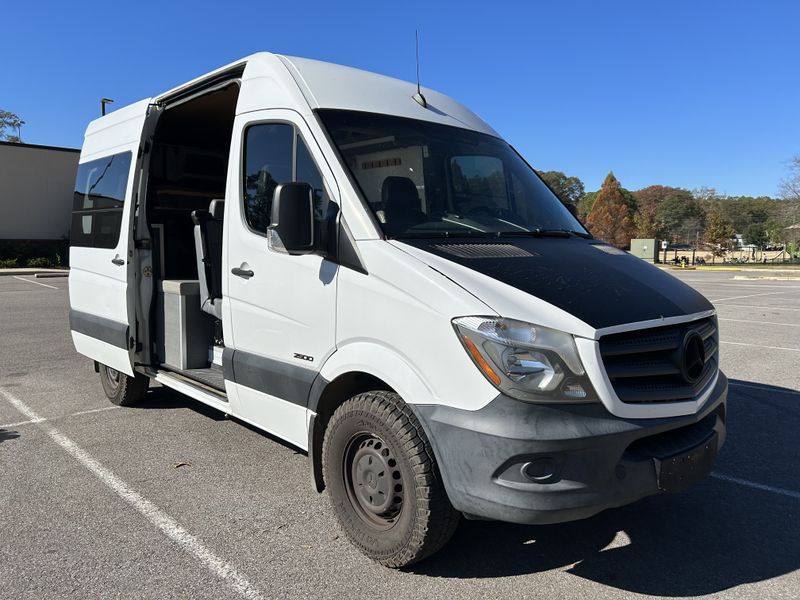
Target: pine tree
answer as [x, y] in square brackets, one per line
[610, 217]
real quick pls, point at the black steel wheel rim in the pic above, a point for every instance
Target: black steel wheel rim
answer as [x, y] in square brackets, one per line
[373, 480]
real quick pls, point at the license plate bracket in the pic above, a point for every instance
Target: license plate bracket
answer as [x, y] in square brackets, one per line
[680, 471]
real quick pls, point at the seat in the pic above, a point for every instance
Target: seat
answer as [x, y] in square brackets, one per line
[208, 246]
[401, 204]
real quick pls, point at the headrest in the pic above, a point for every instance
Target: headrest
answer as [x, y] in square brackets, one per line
[397, 192]
[200, 216]
[217, 209]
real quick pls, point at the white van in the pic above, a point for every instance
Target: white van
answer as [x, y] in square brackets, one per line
[369, 272]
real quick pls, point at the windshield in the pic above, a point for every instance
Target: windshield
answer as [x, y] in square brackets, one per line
[422, 179]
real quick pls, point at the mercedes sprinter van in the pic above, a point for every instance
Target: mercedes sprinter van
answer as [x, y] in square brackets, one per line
[369, 272]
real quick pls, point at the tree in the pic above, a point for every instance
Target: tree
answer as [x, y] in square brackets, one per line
[648, 200]
[610, 217]
[569, 189]
[680, 216]
[718, 233]
[790, 187]
[756, 235]
[10, 125]
[585, 204]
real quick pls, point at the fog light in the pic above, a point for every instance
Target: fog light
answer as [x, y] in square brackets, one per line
[575, 390]
[539, 469]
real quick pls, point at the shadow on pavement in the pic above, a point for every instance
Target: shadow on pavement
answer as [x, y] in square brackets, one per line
[716, 536]
[6, 435]
[166, 398]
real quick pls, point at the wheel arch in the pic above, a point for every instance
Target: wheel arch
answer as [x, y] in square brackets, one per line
[353, 369]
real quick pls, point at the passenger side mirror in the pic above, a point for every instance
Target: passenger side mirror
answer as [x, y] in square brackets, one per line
[293, 226]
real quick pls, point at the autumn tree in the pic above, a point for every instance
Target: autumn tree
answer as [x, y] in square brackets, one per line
[610, 216]
[718, 233]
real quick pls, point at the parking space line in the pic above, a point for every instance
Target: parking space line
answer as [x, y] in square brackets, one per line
[770, 307]
[75, 414]
[760, 346]
[757, 486]
[740, 297]
[760, 322]
[157, 517]
[52, 287]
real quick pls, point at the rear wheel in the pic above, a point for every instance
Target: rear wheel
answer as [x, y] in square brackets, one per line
[122, 389]
[383, 481]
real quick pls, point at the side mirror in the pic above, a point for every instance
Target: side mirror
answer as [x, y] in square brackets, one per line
[293, 226]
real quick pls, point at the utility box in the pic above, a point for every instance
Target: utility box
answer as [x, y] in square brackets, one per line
[184, 329]
[646, 249]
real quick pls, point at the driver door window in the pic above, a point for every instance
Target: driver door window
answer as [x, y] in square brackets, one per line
[274, 153]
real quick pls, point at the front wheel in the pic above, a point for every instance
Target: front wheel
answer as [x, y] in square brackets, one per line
[383, 481]
[122, 389]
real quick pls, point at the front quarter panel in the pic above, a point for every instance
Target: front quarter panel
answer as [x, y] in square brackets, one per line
[395, 323]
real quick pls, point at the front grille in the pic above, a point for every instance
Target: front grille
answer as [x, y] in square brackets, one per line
[644, 366]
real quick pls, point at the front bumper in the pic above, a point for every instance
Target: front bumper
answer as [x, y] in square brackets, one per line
[577, 459]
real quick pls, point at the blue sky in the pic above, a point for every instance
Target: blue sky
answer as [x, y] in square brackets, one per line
[677, 93]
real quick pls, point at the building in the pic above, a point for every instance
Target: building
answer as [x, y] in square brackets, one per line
[36, 186]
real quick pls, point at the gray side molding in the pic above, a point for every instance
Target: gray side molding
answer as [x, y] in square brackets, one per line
[283, 380]
[106, 330]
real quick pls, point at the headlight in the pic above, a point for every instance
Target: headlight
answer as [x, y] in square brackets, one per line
[526, 361]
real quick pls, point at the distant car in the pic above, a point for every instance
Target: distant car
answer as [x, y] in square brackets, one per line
[679, 247]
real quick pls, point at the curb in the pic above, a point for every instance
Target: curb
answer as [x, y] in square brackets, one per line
[35, 272]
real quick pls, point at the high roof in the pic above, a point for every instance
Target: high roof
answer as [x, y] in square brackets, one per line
[275, 80]
[301, 84]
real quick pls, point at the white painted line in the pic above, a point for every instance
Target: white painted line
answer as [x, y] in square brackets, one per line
[763, 388]
[748, 296]
[52, 287]
[75, 414]
[747, 285]
[166, 524]
[770, 307]
[757, 486]
[760, 346]
[759, 322]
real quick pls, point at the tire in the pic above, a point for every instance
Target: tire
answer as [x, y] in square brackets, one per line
[383, 481]
[122, 389]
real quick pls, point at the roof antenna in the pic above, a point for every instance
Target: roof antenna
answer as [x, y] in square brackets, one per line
[418, 97]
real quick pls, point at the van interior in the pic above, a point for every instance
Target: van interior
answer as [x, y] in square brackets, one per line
[187, 173]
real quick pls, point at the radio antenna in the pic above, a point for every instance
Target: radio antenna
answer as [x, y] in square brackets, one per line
[418, 97]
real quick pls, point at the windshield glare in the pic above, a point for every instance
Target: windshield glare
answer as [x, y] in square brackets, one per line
[423, 179]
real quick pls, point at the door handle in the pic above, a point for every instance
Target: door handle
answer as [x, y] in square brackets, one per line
[118, 261]
[246, 273]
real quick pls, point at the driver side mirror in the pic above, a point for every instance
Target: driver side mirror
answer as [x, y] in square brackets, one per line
[292, 230]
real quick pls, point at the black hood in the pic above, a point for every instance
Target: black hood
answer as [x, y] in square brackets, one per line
[589, 279]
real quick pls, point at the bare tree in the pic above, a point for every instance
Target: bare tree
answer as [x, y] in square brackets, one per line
[790, 187]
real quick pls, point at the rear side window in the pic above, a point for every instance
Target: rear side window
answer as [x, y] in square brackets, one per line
[99, 201]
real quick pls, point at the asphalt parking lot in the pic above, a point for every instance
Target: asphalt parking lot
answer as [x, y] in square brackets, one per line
[171, 500]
